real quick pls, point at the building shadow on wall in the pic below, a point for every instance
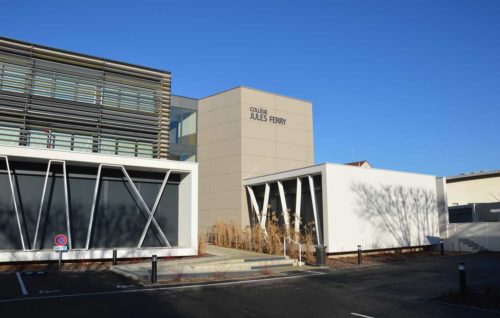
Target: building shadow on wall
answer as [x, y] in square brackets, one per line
[408, 214]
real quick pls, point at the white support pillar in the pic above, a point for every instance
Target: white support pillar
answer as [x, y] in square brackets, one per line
[153, 210]
[255, 205]
[284, 208]
[315, 209]
[265, 206]
[66, 202]
[298, 203]
[11, 184]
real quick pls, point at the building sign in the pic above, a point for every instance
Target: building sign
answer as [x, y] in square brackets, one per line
[261, 114]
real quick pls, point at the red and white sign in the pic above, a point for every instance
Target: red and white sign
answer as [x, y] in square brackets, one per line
[60, 240]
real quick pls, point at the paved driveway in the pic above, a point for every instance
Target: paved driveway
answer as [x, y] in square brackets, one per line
[392, 290]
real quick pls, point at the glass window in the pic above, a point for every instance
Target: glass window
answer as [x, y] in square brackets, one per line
[43, 85]
[9, 136]
[128, 97]
[182, 126]
[108, 146]
[61, 141]
[13, 78]
[64, 87]
[82, 143]
[145, 150]
[41, 139]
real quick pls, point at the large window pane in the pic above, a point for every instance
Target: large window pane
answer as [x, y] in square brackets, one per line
[9, 136]
[128, 97]
[13, 78]
[182, 126]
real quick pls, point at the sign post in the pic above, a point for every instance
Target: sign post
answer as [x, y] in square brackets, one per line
[60, 241]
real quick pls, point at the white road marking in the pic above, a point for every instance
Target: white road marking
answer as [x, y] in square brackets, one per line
[21, 283]
[124, 286]
[128, 291]
[46, 291]
[360, 315]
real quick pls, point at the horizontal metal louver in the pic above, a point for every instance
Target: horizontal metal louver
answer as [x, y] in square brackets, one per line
[62, 100]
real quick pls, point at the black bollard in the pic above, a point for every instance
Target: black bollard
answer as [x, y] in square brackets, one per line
[154, 269]
[359, 255]
[461, 277]
[441, 246]
[114, 257]
[320, 255]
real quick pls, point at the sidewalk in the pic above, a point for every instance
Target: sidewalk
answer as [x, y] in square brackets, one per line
[219, 262]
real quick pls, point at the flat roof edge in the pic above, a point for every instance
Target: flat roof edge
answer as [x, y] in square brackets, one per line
[82, 55]
[259, 90]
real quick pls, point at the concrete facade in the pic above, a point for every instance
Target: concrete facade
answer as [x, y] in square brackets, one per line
[244, 133]
[474, 188]
[374, 208]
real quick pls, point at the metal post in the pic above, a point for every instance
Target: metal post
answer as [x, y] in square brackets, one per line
[154, 269]
[60, 260]
[441, 246]
[461, 277]
[359, 255]
[114, 257]
[320, 255]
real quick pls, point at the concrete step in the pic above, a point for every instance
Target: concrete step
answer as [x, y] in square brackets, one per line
[231, 266]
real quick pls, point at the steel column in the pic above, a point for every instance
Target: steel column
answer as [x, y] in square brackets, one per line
[286, 217]
[92, 211]
[66, 202]
[314, 206]
[145, 206]
[14, 201]
[155, 206]
[298, 203]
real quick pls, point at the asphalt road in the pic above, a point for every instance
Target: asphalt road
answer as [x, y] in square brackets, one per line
[391, 290]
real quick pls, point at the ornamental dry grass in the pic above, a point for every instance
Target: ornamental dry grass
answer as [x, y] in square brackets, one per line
[254, 238]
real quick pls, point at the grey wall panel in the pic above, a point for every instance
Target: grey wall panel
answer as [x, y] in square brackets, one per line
[9, 233]
[80, 192]
[118, 219]
[167, 216]
[119, 222]
[53, 220]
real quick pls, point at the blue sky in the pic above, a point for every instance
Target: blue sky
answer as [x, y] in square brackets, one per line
[407, 85]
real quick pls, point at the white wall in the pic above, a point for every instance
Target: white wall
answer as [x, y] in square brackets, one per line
[378, 208]
[473, 237]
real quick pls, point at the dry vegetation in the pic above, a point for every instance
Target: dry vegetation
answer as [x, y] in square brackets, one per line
[269, 241]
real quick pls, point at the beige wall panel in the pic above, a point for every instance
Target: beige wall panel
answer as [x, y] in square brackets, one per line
[225, 115]
[258, 130]
[221, 100]
[292, 105]
[204, 183]
[225, 165]
[203, 136]
[285, 164]
[293, 120]
[263, 148]
[225, 148]
[309, 112]
[292, 136]
[257, 98]
[226, 200]
[225, 182]
[486, 190]
[257, 165]
[291, 152]
[224, 132]
[310, 155]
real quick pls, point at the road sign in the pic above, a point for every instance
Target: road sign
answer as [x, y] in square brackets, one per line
[60, 240]
[60, 248]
